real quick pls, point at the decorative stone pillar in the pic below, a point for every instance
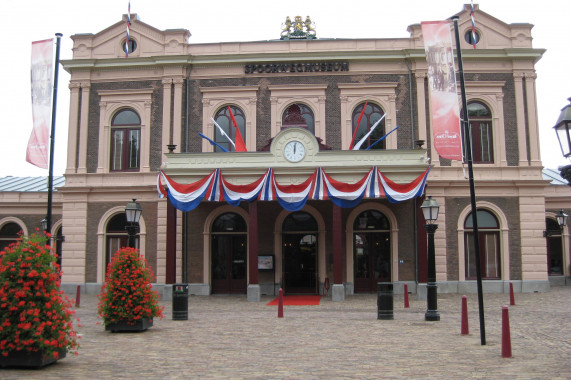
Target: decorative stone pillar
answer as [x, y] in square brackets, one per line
[253, 285]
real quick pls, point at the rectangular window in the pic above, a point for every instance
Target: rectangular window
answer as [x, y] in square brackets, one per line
[482, 142]
[125, 149]
[490, 259]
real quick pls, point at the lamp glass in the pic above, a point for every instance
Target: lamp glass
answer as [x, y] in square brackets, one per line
[561, 218]
[430, 209]
[133, 211]
[44, 223]
[562, 130]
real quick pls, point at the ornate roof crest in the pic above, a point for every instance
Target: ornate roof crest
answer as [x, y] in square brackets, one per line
[298, 29]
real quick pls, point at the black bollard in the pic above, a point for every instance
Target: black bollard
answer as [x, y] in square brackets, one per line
[385, 300]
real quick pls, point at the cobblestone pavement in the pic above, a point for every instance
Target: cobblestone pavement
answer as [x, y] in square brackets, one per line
[228, 337]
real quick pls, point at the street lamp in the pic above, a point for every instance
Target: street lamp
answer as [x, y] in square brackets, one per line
[561, 219]
[562, 128]
[430, 210]
[133, 213]
[44, 223]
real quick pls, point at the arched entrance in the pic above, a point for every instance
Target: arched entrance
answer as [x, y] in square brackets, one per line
[229, 254]
[299, 239]
[372, 250]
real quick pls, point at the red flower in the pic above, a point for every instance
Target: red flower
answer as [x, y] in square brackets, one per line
[30, 297]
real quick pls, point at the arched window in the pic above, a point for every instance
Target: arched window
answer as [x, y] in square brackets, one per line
[224, 120]
[371, 115]
[482, 137]
[9, 233]
[125, 141]
[489, 242]
[299, 115]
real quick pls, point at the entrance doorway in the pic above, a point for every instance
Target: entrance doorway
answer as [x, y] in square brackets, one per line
[229, 255]
[300, 254]
[372, 251]
[116, 237]
[554, 248]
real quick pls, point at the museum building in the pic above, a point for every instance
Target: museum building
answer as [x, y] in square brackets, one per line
[239, 155]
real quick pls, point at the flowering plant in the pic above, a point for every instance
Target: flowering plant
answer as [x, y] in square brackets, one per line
[35, 315]
[127, 295]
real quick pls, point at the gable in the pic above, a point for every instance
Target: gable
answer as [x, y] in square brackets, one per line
[109, 43]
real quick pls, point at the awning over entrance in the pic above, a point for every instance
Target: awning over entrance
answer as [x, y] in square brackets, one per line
[319, 186]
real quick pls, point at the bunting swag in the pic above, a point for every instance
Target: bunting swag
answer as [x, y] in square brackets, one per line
[319, 186]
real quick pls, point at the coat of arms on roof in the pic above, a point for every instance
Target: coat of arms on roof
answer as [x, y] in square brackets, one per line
[298, 29]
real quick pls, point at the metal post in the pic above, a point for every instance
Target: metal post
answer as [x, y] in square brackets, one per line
[132, 229]
[52, 140]
[431, 287]
[468, 145]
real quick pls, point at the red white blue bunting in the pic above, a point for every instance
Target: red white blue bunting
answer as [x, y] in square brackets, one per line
[319, 186]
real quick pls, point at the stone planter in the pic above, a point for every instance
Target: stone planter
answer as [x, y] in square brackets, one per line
[124, 326]
[26, 359]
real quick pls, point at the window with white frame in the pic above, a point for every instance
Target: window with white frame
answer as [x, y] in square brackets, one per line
[125, 141]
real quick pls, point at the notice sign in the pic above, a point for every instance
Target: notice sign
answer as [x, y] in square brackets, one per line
[265, 262]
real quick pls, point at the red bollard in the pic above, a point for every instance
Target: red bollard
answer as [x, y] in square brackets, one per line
[464, 325]
[406, 304]
[512, 299]
[77, 296]
[506, 338]
[281, 304]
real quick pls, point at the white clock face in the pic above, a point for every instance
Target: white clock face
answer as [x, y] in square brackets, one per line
[294, 151]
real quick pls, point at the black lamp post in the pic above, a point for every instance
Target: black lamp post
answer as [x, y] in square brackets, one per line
[430, 210]
[562, 128]
[133, 213]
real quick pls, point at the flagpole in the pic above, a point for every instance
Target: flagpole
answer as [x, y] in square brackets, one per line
[52, 138]
[468, 145]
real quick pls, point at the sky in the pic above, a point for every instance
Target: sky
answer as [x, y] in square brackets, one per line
[229, 20]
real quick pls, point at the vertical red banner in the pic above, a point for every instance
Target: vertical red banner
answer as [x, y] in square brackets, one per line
[37, 152]
[446, 135]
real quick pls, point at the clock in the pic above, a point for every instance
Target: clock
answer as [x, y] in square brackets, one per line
[294, 151]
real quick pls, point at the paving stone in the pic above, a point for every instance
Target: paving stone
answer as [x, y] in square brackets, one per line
[227, 337]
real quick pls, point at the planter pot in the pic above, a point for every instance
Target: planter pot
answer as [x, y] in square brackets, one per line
[26, 359]
[124, 325]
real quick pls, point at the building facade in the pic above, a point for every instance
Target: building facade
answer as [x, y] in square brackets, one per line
[298, 102]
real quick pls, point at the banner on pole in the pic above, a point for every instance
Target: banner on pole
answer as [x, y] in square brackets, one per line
[37, 152]
[446, 135]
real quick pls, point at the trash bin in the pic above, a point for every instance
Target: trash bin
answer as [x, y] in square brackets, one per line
[180, 302]
[385, 300]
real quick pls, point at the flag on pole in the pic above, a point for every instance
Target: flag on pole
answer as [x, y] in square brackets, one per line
[212, 142]
[128, 27]
[37, 152]
[382, 138]
[446, 136]
[473, 24]
[240, 146]
[358, 145]
[223, 133]
[357, 126]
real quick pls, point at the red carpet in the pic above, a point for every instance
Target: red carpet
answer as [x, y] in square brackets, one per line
[297, 301]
